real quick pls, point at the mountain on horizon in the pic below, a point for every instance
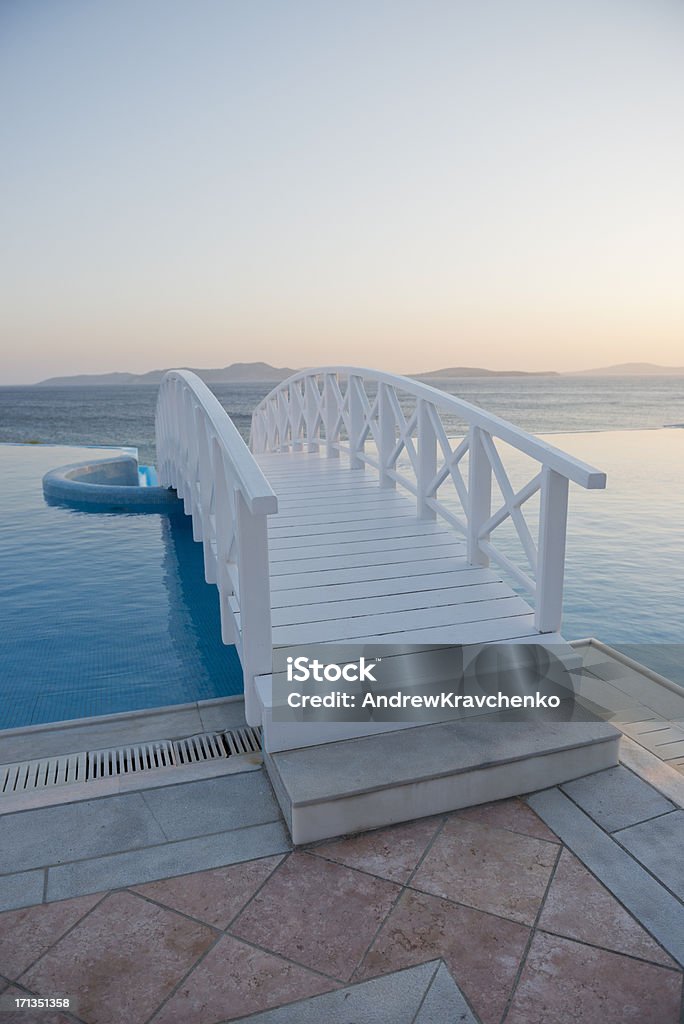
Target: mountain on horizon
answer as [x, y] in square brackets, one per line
[246, 372]
[477, 371]
[224, 375]
[630, 370]
[237, 372]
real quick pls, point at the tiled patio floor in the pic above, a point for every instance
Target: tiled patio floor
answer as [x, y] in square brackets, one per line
[526, 931]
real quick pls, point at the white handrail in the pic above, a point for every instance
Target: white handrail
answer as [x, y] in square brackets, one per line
[331, 407]
[202, 455]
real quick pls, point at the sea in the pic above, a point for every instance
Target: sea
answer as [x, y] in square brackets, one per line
[625, 566]
[124, 414]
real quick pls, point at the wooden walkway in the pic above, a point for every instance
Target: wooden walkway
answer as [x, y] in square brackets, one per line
[350, 561]
[366, 509]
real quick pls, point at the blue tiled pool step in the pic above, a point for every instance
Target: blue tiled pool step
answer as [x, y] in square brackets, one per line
[113, 482]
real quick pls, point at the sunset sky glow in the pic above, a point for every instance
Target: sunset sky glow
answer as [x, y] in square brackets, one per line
[398, 184]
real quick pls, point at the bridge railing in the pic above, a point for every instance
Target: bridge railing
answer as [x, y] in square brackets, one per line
[398, 426]
[201, 454]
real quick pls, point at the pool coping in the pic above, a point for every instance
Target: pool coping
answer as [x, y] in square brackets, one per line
[110, 481]
[108, 730]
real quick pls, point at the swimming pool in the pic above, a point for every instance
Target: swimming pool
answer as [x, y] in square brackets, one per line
[108, 612]
[100, 612]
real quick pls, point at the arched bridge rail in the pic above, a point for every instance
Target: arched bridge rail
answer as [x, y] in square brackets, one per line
[455, 459]
[348, 409]
[201, 454]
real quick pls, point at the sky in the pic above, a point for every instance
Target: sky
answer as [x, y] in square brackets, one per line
[404, 185]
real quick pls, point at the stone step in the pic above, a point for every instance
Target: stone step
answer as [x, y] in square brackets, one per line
[353, 785]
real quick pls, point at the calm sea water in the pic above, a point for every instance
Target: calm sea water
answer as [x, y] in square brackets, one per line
[124, 415]
[625, 571]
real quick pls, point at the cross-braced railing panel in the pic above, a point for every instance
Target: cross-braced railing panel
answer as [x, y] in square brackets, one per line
[404, 429]
[201, 454]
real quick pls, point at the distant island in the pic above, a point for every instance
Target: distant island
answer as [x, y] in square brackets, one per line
[226, 375]
[630, 370]
[243, 372]
[259, 372]
[477, 371]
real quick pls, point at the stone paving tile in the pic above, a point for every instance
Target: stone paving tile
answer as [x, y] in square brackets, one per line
[121, 961]
[511, 814]
[320, 914]
[482, 952]
[89, 828]
[659, 845]
[616, 798]
[579, 907]
[215, 897]
[444, 1002]
[488, 868]
[213, 805]
[235, 979]
[565, 981]
[624, 876]
[26, 934]
[22, 889]
[659, 773]
[391, 999]
[388, 852]
[135, 867]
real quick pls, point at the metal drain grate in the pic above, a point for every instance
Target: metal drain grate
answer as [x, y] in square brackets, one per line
[90, 765]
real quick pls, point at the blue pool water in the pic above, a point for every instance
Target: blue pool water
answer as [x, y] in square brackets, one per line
[100, 612]
[109, 612]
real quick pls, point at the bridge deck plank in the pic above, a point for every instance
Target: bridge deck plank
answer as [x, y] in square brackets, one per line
[350, 561]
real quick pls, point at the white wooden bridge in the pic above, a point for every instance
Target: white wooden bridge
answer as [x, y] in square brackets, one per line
[366, 509]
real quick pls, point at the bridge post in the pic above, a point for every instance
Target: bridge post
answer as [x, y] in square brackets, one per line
[296, 416]
[311, 399]
[202, 482]
[479, 495]
[272, 426]
[283, 419]
[553, 516]
[427, 459]
[256, 651]
[356, 422]
[190, 463]
[387, 435]
[331, 415]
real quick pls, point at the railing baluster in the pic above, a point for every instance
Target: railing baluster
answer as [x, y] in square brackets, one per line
[386, 430]
[271, 426]
[427, 460]
[311, 414]
[206, 486]
[330, 416]
[553, 515]
[296, 416]
[357, 423]
[283, 418]
[479, 496]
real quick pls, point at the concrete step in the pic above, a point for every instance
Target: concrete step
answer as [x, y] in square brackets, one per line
[353, 785]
